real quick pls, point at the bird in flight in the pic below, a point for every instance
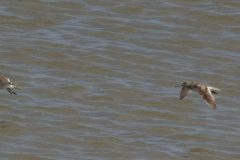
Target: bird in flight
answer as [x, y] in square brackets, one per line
[5, 83]
[203, 89]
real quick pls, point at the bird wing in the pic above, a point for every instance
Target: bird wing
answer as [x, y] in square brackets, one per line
[207, 96]
[4, 79]
[185, 91]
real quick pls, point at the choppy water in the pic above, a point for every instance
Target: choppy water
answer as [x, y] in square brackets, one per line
[98, 79]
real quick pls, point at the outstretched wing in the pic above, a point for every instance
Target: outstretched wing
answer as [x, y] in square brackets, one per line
[185, 91]
[207, 96]
[4, 79]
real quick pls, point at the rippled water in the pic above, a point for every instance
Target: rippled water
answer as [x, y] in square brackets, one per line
[98, 79]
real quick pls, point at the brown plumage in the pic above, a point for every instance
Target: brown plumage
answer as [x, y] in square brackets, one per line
[203, 89]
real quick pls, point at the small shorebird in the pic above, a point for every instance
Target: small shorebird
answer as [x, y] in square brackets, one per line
[5, 83]
[203, 89]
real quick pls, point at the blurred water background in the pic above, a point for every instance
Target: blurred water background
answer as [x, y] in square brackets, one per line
[98, 79]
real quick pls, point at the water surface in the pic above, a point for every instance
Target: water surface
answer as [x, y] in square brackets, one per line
[98, 79]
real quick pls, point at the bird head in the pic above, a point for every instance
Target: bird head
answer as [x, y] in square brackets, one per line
[184, 84]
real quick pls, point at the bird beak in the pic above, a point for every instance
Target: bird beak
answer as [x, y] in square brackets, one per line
[179, 86]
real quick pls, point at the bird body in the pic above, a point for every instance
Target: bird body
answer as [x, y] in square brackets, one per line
[203, 89]
[5, 83]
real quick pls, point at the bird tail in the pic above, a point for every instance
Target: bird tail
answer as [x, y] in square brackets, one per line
[213, 89]
[18, 87]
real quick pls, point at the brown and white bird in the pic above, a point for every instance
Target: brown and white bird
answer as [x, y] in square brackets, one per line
[5, 83]
[203, 89]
